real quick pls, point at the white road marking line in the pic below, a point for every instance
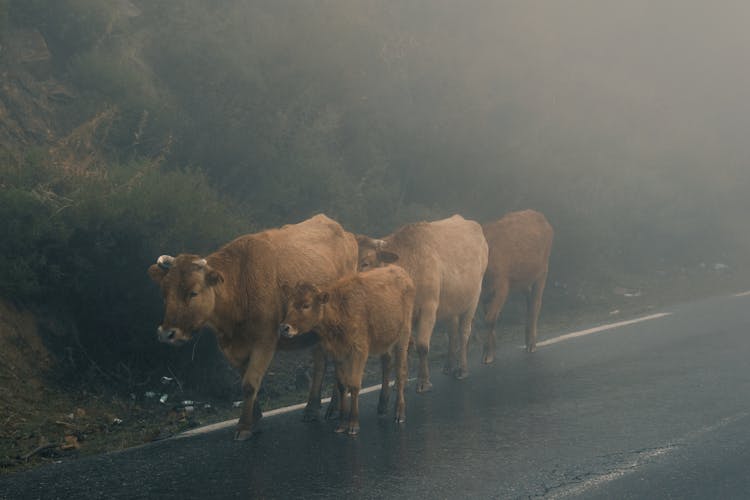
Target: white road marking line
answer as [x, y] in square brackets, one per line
[742, 294]
[271, 413]
[601, 328]
[287, 409]
[642, 458]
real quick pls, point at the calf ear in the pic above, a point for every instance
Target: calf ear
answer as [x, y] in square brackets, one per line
[156, 273]
[323, 297]
[387, 257]
[214, 277]
[363, 240]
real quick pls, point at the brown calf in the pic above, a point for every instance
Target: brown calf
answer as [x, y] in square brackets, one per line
[237, 292]
[446, 259]
[360, 315]
[520, 244]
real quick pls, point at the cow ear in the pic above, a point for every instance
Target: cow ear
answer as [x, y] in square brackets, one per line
[214, 277]
[286, 289]
[156, 273]
[323, 298]
[387, 257]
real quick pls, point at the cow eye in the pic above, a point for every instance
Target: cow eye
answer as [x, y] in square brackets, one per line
[305, 306]
[193, 294]
[363, 264]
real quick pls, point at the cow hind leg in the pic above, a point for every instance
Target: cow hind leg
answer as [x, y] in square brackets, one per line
[492, 312]
[533, 306]
[425, 324]
[462, 370]
[385, 389]
[451, 359]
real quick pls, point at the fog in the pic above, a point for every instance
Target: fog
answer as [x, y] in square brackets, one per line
[623, 122]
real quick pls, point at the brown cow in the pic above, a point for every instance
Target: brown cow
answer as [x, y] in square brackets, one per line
[237, 292]
[446, 259]
[360, 315]
[520, 245]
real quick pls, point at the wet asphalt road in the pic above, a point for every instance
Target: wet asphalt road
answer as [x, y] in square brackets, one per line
[657, 409]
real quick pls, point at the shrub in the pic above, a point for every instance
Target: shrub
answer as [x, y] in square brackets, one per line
[83, 244]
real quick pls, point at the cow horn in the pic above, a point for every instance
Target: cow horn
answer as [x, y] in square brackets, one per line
[200, 262]
[165, 261]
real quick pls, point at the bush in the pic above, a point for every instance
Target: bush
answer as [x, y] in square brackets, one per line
[84, 243]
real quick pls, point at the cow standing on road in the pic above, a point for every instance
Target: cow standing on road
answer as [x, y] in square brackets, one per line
[237, 292]
[520, 245]
[360, 315]
[446, 259]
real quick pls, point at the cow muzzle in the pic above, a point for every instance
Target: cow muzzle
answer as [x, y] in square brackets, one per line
[171, 336]
[287, 331]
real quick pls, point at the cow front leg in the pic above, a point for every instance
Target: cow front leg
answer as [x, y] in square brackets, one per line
[312, 410]
[260, 359]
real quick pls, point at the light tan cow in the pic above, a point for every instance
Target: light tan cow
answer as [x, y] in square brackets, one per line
[237, 291]
[446, 259]
[520, 245]
[360, 315]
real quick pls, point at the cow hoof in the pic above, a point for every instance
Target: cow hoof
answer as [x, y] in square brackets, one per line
[488, 358]
[311, 415]
[341, 428]
[530, 348]
[353, 430]
[425, 386]
[447, 370]
[400, 419]
[460, 373]
[242, 435]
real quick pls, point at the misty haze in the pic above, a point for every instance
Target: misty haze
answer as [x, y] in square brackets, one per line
[589, 302]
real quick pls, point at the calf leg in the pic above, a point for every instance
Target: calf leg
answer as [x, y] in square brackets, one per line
[343, 407]
[533, 306]
[492, 312]
[402, 373]
[425, 324]
[257, 365]
[385, 390]
[312, 409]
[353, 429]
[356, 371]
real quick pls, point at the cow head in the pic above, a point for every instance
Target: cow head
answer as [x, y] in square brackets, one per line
[373, 253]
[188, 286]
[304, 309]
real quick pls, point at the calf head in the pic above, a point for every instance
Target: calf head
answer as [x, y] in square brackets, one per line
[304, 309]
[373, 253]
[188, 286]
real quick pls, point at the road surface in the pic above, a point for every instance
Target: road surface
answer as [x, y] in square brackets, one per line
[658, 408]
